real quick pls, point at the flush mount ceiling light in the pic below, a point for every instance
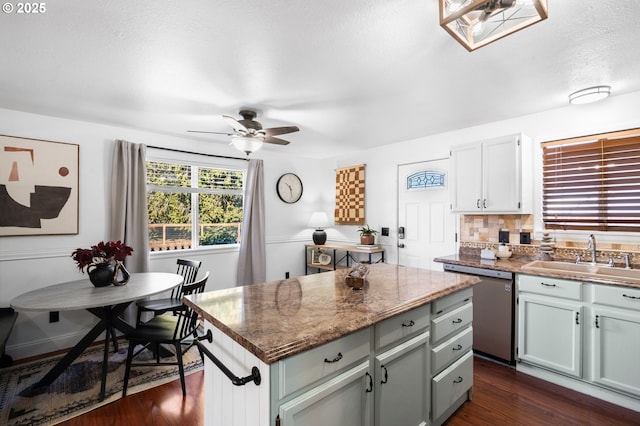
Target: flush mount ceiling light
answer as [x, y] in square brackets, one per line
[590, 94]
[246, 144]
[476, 23]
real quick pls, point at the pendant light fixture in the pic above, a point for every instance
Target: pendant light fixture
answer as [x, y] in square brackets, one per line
[590, 94]
[476, 23]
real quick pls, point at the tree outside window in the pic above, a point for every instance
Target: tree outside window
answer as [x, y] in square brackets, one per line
[192, 206]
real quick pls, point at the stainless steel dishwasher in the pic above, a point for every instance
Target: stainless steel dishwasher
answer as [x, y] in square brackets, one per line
[493, 312]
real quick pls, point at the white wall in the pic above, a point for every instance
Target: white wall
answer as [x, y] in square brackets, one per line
[614, 113]
[28, 263]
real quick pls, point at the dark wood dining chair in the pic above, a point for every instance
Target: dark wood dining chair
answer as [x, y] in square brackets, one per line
[177, 330]
[189, 271]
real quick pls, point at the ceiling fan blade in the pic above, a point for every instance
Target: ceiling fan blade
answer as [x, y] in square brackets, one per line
[213, 133]
[273, 131]
[277, 141]
[235, 124]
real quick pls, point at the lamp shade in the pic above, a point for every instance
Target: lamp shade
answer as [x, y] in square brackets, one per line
[476, 23]
[319, 220]
[246, 144]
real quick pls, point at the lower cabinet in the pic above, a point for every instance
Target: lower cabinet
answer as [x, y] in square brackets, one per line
[583, 335]
[384, 375]
[616, 338]
[343, 400]
[550, 333]
[401, 387]
[451, 355]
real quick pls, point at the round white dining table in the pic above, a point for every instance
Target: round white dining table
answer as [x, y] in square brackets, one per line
[106, 303]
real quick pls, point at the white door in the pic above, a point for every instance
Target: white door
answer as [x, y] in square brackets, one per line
[424, 213]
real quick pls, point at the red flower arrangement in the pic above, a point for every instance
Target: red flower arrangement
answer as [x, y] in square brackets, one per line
[100, 253]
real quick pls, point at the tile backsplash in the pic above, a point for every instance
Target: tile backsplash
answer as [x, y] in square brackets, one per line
[481, 231]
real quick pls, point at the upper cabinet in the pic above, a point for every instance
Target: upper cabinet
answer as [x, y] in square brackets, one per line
[492, 176]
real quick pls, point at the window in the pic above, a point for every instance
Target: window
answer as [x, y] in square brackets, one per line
[592, 183]
[193, 205]
[426, 179]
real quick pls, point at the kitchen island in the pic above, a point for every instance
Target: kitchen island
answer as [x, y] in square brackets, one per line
[321, 347]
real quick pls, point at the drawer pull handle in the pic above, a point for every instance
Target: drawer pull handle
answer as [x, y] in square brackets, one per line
[386, 374]
[370, 383]
[548, 285]
[408, 324]
[457, 321]
[458, 380]
[336, 359]
[457, 348]
[630, 297]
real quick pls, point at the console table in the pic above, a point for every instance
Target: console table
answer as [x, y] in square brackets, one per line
[342, 255]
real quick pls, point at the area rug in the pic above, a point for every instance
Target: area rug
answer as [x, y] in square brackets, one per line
[76, 391]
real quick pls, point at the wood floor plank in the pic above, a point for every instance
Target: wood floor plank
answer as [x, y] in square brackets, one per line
[501, 396]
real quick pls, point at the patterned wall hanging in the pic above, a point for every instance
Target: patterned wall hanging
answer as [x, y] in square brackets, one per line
[350, 196]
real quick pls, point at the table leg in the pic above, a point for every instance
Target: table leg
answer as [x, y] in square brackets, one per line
[109, 319]
[42, 385]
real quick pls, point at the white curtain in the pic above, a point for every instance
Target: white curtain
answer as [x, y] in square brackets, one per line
[252, 263]
[128, 219]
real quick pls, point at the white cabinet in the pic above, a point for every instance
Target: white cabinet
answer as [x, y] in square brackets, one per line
[378, 376]
[492, 176]
[343, 400]
[451, 355]
[550, 333]
[581, 335]
[616, 338]
[402, 388]
[550, 317]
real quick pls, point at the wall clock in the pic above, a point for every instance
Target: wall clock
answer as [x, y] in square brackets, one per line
[289, 188]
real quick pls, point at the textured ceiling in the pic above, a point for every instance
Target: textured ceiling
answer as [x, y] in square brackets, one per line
[351, 74]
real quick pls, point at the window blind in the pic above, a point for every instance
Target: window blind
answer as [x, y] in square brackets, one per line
[592, 184]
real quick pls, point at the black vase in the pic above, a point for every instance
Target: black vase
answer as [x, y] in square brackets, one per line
[101, 274]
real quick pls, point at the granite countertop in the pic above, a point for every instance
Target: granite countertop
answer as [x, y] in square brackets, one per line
[514, 264]
[282, 318]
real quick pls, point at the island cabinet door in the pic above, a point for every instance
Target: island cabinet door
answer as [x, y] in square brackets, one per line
[402, 384]
[345, 400]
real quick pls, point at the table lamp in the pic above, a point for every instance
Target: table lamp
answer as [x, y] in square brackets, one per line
[319, 220]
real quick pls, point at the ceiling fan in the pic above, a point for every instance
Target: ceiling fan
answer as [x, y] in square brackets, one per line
[248, 134]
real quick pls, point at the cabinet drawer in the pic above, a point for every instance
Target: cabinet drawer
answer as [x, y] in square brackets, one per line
[308, 367]
[440, 305]
[394, 329]
[451, 349]
[451, 384]
[451, 322]
[620, 297]
[555, 287]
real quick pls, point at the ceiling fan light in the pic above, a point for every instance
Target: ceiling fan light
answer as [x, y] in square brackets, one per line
[246, 144]
[590, 94]
[476, 23]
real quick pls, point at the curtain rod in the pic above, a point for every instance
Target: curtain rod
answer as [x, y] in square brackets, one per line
[197, 153]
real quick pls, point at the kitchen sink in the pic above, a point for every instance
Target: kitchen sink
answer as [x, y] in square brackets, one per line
[596, 271]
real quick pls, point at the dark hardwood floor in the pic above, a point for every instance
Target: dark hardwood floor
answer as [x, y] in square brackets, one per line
[501, 396]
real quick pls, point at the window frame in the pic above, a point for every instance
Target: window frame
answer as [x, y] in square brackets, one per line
[196, 160]
[600, 197]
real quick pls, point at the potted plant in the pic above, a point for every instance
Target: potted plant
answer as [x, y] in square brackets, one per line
[367, 235]
[103, 262]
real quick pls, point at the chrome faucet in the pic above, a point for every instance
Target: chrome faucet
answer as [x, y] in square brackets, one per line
[591, 245]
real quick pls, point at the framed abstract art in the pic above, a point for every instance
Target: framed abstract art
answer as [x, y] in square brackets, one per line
[38, 187]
